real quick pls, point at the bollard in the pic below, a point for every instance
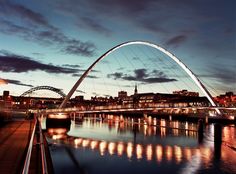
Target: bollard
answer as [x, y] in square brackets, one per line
[200, 131]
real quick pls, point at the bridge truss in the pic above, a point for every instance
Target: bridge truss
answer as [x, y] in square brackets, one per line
[56, 90]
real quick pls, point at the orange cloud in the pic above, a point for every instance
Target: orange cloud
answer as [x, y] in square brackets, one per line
[3, 82]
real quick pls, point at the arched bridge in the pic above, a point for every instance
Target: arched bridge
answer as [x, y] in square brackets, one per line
[56, 90]
[169, 55]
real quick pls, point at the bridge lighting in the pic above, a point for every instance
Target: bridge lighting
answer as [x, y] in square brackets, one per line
[169, 153]
[111, 148]
[188, 154]
[139, 151]
[159, 152]
[129, 150]
[102, 147]
[58, 116]
[93, 144]
[178, 153]
[85, 143]
[149, 152]
[120, 148]
[77, 141]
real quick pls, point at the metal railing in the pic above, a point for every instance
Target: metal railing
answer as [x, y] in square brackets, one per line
[42, 150]
[28, 155]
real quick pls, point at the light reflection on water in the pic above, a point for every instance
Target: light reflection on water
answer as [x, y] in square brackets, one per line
[128, 143]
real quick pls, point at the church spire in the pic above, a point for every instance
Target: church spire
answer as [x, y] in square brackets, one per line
[135, 89]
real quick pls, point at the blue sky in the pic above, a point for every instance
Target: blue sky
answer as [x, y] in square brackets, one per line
[53, 42]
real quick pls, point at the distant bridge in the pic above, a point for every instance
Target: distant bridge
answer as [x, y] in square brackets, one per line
[56, 90]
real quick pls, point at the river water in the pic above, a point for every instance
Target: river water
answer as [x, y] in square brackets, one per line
[119, 145]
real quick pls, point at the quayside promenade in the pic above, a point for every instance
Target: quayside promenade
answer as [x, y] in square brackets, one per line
[15, 136]
[14, 140]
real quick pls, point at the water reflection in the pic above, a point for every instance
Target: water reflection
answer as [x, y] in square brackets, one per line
[138, 151]
[57, 133]
[149, 140]
[147, 127]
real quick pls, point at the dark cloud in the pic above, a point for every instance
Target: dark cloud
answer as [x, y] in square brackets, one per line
[142, 75]
[15, 82]
[49, 37]
[39, 30]
[162, 18]
[7, 8]
[226, 75]
[19, 64]
[121, 6]
[88, 76]
[177, 40]
[136, 58]
[94, 25]
[96, 94]
[116, 75]
[80, 91]
[71, 66]
[84, 48]
[38, 54]
[92, 77]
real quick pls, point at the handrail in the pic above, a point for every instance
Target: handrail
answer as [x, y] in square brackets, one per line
[42, 149]
[28, 156]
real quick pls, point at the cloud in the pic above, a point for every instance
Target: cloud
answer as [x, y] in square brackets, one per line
[94, 25]
[15, 82]
[35, 27]
[226, 75]
[18, 64]
[71, 66]
[11, 9]
[177, 40]
[80, 91]
[88, 76]
[80, 48]
[96, 94]
[116, 75]
[142, 75]
[3, 82]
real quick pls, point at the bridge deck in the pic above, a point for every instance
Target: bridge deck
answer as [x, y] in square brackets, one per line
[14, 137]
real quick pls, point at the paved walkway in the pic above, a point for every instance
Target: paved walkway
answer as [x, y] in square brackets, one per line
[14, 138]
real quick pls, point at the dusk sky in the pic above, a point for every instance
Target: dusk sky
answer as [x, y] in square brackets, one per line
[52, 43]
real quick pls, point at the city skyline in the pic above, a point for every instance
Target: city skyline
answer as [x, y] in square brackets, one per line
[52, 43]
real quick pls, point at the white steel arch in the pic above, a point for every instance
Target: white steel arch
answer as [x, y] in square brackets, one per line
[172, 56]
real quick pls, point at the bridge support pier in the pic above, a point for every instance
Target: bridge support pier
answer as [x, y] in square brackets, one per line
[200, 131]
[72, 115]
[217, 140]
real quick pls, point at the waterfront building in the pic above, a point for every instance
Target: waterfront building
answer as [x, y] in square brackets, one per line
[185, 92]
[227, 100]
